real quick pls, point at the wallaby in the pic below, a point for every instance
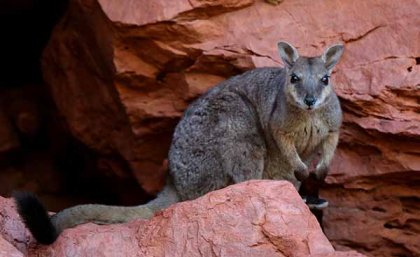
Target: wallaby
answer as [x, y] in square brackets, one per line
[268, 123]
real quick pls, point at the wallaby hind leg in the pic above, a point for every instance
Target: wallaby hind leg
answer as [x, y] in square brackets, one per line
[244, 161]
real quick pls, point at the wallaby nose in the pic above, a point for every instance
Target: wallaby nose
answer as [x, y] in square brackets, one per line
[309, 100]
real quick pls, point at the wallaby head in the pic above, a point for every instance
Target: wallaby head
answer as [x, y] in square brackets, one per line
[308, 84]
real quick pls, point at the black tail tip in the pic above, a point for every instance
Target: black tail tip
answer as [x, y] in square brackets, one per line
[36, 217]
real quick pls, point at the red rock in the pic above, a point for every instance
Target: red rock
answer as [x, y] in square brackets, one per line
[6, 249]
[8, 137]
[19, 115]
[384, 219]
[257, 218]
[122, 72]
[14, 237]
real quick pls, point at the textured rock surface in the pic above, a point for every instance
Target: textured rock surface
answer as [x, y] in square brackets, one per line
[122, 72]
[13, 235]
[6, 249]
[258, 218]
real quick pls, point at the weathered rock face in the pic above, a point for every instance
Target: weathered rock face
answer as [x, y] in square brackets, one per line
[257, 218]
[14, 237]
[379, 214]
[6, 249]
[122, 72]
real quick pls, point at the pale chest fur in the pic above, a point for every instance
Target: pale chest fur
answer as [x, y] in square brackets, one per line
[308, 135]
[305, 131]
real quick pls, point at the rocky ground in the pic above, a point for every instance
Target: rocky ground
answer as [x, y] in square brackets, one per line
[257, 218]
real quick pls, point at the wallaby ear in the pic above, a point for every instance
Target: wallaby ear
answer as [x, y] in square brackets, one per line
[288, 53]
[332, 55]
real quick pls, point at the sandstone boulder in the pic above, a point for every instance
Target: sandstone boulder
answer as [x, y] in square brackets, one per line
[13, 235]
[6, 249]
[256, 218]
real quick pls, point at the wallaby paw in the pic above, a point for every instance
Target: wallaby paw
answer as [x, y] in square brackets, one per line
[301, 173]
[321, 172]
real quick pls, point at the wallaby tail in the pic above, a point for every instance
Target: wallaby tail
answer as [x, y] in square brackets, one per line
[46, 229]
[36, 217]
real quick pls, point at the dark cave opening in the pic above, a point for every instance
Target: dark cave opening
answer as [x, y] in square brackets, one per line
[37, 152]
[26, 26]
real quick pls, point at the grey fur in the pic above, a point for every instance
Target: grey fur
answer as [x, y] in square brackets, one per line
[251, 126]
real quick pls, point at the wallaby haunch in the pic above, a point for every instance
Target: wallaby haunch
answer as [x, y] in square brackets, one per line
[268, 123]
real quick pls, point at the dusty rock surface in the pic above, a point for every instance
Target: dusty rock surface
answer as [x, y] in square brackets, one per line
[6, 249]
[14, 237]
[257, 218]
[122, 72]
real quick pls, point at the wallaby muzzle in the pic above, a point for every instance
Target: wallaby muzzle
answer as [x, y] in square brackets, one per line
[309, 101]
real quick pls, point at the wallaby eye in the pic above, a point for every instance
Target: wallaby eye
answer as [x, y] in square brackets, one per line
[294, 79]
[325, 80]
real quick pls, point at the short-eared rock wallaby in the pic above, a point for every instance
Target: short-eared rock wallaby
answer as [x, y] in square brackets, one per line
[268, 123]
